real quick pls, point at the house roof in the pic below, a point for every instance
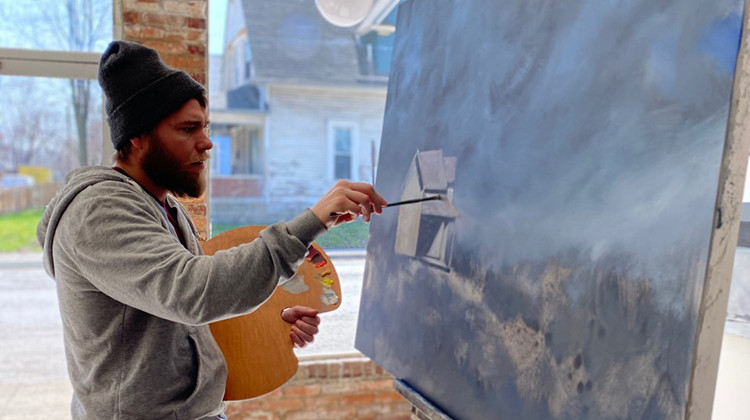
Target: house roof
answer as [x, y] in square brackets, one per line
[436, 171]
[291, 42]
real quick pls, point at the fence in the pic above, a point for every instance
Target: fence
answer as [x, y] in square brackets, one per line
[26, 198]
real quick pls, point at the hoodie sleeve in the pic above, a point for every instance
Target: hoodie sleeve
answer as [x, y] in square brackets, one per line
[123, 248]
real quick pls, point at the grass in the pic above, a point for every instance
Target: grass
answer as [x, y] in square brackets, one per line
[18, 231]
[347, 236]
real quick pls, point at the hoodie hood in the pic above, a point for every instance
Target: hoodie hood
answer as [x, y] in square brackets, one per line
[76, 181]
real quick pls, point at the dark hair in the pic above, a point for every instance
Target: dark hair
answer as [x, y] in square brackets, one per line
[122, 153]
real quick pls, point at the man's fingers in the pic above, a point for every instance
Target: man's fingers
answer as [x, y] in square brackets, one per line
[307, 328]
[344, 218]
[366, 197]
[296, 340]
[313, 320]
[353, 198]
[373, 198]
[300, 311]
[308, 338]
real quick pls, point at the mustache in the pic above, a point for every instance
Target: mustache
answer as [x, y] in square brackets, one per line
[203, 158]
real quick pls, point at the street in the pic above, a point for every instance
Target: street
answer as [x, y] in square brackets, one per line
[33, 378]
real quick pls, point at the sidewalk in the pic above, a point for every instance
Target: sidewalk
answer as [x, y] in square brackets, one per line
[20, 260]
[33, 374]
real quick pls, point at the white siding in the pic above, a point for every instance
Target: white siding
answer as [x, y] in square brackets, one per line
[298, 155]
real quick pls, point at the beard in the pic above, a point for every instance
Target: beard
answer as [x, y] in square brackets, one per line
[167, 172]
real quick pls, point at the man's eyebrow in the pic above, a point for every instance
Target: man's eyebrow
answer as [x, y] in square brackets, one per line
[193, 122]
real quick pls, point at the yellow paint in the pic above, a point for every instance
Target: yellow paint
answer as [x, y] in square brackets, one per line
[327, 282]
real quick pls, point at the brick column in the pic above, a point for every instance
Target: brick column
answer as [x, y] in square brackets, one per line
[177, 30]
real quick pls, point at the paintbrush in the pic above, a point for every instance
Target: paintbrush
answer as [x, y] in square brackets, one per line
[400, 203]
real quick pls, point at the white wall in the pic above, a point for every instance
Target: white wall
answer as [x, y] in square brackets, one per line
[298, 153]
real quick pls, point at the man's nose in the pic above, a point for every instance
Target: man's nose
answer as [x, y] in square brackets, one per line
[205, 142]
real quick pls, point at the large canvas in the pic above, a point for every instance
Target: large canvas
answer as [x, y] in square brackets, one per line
[577, 146]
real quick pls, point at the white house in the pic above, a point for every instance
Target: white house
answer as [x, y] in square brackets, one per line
[300, 105]
[426, 230]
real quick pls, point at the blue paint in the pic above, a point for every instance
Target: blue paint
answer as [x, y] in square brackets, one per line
[721, 40]
[588, 138]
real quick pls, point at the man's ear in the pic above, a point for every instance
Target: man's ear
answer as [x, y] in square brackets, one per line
[139, 143]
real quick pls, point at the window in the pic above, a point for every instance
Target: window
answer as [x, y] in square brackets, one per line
[377, 47]
[342, 138]
[248, 60]
[297, 110]
[53, 105]
[74, 25]
[237, 150]
[44, 126]
[238, 65]
[50, 123]
[342, 155]
[246, 151]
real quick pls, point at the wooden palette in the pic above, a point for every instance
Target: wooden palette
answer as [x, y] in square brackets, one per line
[256, 346]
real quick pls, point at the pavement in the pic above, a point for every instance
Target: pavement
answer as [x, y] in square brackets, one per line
[33, 376]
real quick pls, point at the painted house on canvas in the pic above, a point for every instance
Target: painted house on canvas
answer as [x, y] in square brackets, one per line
[296, 105]
[425, 230]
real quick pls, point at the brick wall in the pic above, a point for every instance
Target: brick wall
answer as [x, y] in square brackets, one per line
[236, 186]
[177, 30]
[329, 389]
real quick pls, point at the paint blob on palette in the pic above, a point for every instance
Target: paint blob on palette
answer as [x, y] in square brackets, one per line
[323, 276]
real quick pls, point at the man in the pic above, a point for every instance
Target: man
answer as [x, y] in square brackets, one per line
[135, 293]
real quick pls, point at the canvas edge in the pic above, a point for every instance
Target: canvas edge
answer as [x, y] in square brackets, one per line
[418, 402]
[715, 296]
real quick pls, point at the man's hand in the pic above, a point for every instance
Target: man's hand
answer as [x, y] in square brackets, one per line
[346, 201]
[304, 322]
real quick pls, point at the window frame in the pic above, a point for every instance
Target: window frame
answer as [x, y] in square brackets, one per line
[57, 64]
[354, 153]
[251, 137]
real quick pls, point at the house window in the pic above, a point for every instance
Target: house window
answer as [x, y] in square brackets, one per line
[378, 47]
[238, 65]
[221, 159]
[343, 141]
[342, 153]
[248, 60]
[247, 152]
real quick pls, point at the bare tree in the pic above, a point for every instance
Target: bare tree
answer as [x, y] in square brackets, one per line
[68, 25]
[79, 24]
[29, 125]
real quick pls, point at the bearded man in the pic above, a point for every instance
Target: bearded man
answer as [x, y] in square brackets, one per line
[136, 294]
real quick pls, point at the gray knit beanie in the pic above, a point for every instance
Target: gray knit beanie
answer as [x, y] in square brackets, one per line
[141, 90]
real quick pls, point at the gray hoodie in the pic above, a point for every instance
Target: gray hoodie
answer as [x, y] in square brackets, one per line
[135, 302]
